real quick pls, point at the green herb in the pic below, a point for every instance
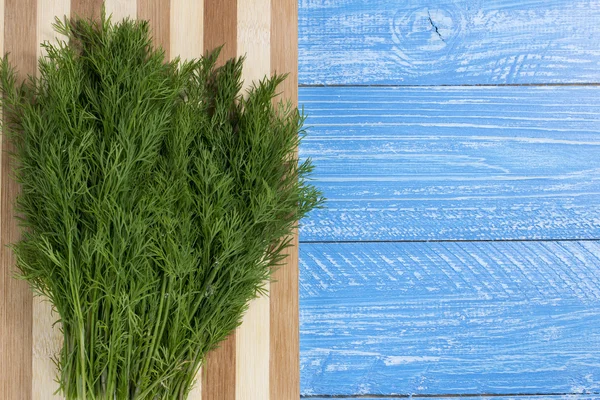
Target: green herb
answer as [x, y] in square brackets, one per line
[156, 201]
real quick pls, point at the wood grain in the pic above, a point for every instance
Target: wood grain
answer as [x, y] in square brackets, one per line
[86, 8]
[285, 334]
[46, 335]
[254, 39]
[121, 9]
[285, 373]
[16, 301]
[252, 358]
[158, 13]
[218, 373]
[284, 45]
[450, 318]
[448, 42]
[454, 163]
[220, 28]
[187, 28]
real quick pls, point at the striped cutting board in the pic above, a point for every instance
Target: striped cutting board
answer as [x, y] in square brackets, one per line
[260, 360]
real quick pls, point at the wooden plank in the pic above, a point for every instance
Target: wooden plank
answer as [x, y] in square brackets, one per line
[187, 33]
[121, 9]
[450, 318]
[448, 42]
[285, 364]
[284, 45]
[158, 14]
[454, 163]
[254, 39]
[16, 302]
[220, 28]
[514, 397]
[218, 373]
[86, 8]
[253, 336]
[46, 334]
[220, 377]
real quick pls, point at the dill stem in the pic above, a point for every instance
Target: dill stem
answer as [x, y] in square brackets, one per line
[187, 378]
[93, 316]
[114, 341]
[67, 373]
[128, 357]
[81, 370]
[155, 338]
[73, 282]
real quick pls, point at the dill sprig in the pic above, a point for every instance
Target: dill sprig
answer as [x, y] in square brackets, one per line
[155, 202]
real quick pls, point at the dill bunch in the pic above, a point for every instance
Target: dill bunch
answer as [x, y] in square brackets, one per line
[155, 202]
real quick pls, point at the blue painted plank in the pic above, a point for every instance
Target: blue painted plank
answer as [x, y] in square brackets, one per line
[448, 42]
[454, 163]
[450, 318]
[517, 397]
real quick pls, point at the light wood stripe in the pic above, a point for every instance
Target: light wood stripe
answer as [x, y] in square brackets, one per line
[186, 41]
[157, 12]
[47, 338]
[220, 28]
[254, 39]
[46, 13]
[285, 338]
[120, 9]
[16, 319]
[253, 336]
[187, 28]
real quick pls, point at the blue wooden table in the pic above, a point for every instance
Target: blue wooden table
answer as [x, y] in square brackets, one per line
[458, 144]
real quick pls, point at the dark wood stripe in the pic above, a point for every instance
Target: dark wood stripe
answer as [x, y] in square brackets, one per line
[157, 12]
[285, 337]
[86, 8]
[284, 45]
[220, 28]
[15, 296]
[218, 374]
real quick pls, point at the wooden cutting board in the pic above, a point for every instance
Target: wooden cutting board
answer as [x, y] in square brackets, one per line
[261, 359]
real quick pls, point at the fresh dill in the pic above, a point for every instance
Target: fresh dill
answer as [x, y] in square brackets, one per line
[156, 200]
